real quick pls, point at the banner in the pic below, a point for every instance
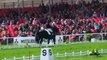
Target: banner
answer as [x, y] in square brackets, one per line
[59, 39]
[24, 40]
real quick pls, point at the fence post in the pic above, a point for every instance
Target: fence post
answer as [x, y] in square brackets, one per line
[73, 53]
[57, 54]
[79, 38]
[87, 52]
[7, 41]
[85, 37]
[102, 37]
[80, 53]
[65, 54]
[69, 39]
[32, 57]
[23, 57]
[14, 58]
[5, 59]
[102, 50]
[0, 46]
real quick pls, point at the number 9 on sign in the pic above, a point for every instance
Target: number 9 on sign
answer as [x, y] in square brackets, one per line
[50, 52]
[44, 52]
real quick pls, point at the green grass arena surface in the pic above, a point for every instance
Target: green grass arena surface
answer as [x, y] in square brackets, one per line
[10, 53]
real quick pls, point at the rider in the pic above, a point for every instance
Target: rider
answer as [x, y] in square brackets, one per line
[49, 27]
[48, 23]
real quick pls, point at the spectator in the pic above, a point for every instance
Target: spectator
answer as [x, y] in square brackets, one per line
[70, 19]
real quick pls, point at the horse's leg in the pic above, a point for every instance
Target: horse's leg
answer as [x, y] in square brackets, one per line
[48, 41]
[54, 40]
[40, 42]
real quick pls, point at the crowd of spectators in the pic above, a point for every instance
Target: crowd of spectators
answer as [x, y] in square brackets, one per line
[72, 18]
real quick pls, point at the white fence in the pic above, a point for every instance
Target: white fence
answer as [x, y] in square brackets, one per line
[81, 37]
[77, 37]
[25, 58]
[72, 54]
[60, 39]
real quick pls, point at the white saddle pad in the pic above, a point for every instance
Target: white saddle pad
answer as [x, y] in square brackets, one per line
[49, 31]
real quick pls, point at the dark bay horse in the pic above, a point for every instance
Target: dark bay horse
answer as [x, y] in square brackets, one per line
[44, 34]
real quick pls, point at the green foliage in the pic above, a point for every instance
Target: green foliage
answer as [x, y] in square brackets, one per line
[0, 44]
[67, 41]
[89, 36]
[94, 51]
[27, 45]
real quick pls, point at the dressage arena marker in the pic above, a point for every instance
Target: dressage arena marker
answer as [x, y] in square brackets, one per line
[46, 54]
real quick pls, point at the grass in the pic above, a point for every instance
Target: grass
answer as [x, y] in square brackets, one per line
[10, 53]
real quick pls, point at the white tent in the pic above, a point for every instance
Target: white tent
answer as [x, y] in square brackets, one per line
[2, 1]
[28, 3]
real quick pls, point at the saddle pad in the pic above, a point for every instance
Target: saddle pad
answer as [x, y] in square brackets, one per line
[49, 31]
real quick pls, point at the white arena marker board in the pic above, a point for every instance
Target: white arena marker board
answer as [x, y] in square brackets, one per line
[46, 54]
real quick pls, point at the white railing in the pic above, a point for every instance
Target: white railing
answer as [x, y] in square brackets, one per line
[77, 38]
[25, 58]
[72, 54]
[82, 37]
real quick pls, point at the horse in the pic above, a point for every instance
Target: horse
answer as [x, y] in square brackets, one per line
[48, 34]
